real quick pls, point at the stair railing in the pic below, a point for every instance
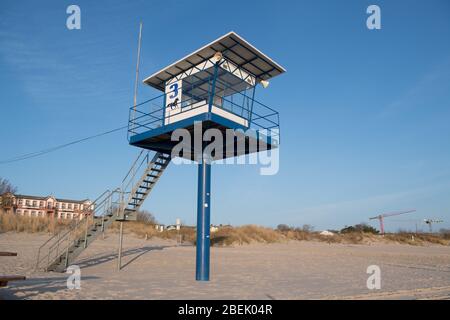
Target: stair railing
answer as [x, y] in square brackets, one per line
[62, 241]
[54, 241]
[138, 184]
[141, 162]
[111, 203]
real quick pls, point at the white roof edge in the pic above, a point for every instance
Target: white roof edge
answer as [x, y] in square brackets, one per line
[209, 44]
[257, 50]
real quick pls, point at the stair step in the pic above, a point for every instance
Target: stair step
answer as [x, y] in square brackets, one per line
[159, 163]
[152, 175]
[148, 181]
[137, 192]
[157, 170]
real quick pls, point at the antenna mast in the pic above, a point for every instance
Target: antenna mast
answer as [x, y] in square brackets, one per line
[137, 70]
[119, 260]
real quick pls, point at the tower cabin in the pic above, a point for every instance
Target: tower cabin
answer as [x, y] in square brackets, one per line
[214, 86]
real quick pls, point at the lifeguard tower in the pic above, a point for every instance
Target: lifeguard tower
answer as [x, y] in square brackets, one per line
[213, 87]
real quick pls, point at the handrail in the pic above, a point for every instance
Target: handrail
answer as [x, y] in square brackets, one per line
[39, 259]
[256, 116]
[134, 163]
[68, 243]
[142, 158]
[63, 238]
[246, 110]
[70, 227]
[137, 185]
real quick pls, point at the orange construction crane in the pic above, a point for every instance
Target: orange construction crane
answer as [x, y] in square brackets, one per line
[389, 214]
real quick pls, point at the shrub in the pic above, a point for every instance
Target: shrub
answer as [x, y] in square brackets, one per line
[361, 228]
[145, 217]
[283, 227]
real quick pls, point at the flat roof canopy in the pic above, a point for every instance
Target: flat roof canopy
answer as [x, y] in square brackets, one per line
[233, 48]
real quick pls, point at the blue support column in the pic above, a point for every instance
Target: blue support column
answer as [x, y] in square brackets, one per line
[203, 220]
[204, 202]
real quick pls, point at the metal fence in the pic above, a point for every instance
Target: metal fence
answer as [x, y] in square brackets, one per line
[150, 114]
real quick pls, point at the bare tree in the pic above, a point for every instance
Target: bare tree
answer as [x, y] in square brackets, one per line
[307, 228]
[283, 227]
[146, 217]
[6, 186]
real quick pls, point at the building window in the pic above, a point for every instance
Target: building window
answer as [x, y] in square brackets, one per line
[27, 202]
[33, 213]
[20, 202]
[41, 204]
[34, 203]
[75, 207]
[69, 206]
[19, 211]
[49, 205]
[63, 206]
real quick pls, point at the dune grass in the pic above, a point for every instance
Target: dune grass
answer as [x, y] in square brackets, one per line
[148, 231]
[418, 239]
[227, 236]
[16, 223]
[247, 234]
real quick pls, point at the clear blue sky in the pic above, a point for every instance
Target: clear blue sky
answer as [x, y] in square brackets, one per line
[365, 114]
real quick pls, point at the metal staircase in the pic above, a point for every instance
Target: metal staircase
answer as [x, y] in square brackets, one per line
[57, 253]
[148, 179]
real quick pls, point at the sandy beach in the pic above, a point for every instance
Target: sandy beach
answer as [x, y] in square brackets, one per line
[159, 269]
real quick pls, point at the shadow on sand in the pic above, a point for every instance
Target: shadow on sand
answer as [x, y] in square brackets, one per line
[89, 262]
[35, 286]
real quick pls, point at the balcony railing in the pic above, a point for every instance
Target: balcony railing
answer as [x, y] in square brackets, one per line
[150, 114]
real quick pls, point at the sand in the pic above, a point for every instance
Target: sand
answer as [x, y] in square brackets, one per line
[159, 269]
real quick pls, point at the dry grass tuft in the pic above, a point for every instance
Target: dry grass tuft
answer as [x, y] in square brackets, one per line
[147, 230]
[12, 222]
[227, 236]
[417, 239]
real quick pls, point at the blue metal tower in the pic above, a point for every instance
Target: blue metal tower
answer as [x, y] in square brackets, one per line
[211, 88]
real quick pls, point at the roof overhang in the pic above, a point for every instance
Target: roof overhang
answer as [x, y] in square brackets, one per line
[233, 48]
